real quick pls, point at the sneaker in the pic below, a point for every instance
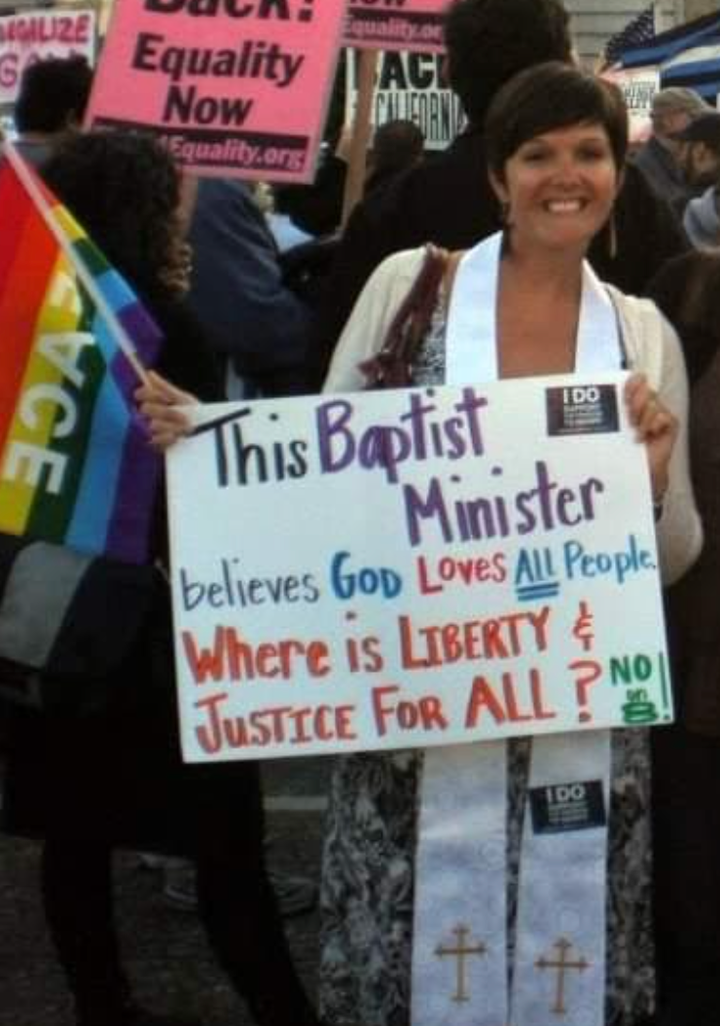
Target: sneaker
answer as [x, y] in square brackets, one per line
[296, 895]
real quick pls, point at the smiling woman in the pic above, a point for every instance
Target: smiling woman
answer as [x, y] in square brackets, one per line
[556, 149]
[521, 304]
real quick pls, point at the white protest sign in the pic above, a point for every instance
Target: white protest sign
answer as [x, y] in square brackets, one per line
[409, 86]
[412, 568]
[38, 35]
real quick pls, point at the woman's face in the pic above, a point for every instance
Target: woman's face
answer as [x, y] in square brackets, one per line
[560, 187]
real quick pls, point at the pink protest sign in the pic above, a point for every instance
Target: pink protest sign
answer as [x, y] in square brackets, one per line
[395, 25]
[232, 87]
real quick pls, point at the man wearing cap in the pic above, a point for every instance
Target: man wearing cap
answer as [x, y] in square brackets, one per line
[673, 109]
[699, 149]
[699, 144]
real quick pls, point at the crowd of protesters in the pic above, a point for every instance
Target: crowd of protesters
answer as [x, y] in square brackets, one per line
[272, 298]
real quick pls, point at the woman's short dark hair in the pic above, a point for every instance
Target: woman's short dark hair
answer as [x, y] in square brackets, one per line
[124, 189]
[548, 97]
[489, 41]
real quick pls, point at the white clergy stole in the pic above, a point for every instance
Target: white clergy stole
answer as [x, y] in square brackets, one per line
[466, 969]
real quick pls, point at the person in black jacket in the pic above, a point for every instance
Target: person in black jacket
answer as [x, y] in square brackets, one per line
[114, 777]
[448, 200]
[259, 327]
[686, 753]
[51, 103]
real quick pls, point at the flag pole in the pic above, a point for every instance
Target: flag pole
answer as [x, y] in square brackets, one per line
[355, 181]
[31, 186]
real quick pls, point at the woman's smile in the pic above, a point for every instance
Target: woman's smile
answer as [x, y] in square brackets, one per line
[564, 206]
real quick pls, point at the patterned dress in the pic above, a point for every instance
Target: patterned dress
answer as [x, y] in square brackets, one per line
[368, 862]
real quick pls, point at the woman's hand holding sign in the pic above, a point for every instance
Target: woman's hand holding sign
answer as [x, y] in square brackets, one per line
[656, 426]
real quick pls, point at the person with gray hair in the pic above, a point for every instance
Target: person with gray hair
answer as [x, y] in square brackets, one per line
[672, 110]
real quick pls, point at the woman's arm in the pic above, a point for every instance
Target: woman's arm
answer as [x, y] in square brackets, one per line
[657, 427]
[654, 351]
[679, 528]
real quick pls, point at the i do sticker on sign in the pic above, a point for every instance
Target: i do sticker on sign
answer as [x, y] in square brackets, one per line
[411, 568]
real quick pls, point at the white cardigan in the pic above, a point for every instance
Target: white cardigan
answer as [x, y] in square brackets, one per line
[652, 348]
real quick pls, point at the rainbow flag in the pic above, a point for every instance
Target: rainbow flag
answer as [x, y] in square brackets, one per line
[75, 465]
